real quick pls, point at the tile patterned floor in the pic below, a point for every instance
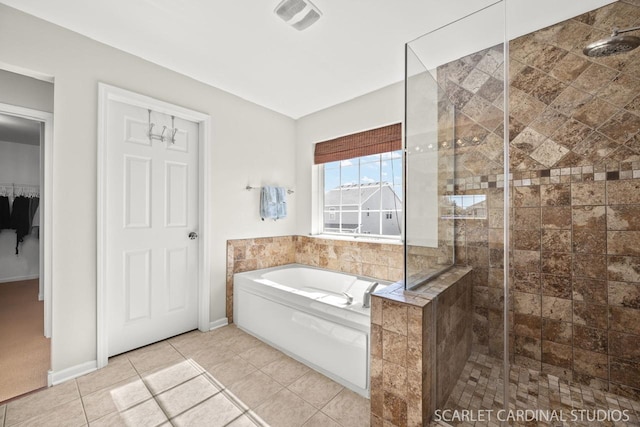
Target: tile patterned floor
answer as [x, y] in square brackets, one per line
[480, 388]
[220, 378]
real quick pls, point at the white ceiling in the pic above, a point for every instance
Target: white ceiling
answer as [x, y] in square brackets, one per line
[242, 47]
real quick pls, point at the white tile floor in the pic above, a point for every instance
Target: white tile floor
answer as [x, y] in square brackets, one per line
[220, 378]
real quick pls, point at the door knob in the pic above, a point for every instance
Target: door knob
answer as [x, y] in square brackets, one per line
[193, 235]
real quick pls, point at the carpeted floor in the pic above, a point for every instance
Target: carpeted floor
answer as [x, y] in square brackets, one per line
[24, 351]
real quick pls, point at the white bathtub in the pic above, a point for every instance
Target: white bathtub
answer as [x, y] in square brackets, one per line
[301, 310]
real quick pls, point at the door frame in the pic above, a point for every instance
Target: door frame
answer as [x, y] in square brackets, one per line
[46, 197]
[108, 93]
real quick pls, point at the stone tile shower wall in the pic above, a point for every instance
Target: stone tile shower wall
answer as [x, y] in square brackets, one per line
[575, 163]
[378, 260]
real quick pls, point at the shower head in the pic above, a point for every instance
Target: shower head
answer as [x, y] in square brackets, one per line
[613, 45]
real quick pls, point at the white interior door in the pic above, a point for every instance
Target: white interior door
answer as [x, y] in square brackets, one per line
[152, 207]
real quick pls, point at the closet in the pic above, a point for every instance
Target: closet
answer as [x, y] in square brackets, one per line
[24, 349]
[19, 211]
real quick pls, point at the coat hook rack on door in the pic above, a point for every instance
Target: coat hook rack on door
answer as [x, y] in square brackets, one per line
[161, 137]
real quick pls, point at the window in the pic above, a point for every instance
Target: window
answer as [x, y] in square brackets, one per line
[468, 206]
[363, 195]
[362, 185]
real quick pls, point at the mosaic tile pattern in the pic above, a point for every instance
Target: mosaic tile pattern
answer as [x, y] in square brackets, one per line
[480, 389]
[630, 170]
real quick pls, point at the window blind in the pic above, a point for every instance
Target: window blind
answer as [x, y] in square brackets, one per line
[374, 141]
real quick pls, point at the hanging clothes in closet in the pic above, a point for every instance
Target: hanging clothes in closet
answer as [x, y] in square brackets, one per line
[5, 213]
[20, 220]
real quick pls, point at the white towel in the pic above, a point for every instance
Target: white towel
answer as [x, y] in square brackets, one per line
[273, 203]
[281, 206]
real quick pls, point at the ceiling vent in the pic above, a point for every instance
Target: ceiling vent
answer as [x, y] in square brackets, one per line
[300, 14]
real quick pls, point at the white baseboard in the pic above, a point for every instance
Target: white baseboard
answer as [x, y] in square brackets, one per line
[19, 278]
[218, 323]
[57, 377]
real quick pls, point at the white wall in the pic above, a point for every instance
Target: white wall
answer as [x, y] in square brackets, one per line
[250, 145]
[20, 164]
[26, 92]
[376, 109]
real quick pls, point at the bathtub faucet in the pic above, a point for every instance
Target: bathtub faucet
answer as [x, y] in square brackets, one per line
[349, 298]
[366, 298]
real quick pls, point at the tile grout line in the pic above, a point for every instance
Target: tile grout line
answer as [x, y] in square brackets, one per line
[148, 389]
[204, 373]
[84, 411]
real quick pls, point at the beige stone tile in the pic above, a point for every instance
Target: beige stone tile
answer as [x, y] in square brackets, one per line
[145, 414]
[394, 379]
[3, 409]
[525, 303]
[213, 355]
[232, 370]
[376, 310]
[623, 243]
[171, 376]
[394, 347]
[35, 404]
[285, 409]
[114, 419]
[285, 370]
[624, 294]
[255, 388]
[191, 342]
[69, 414]
[186, 396]
[217, 411]
[154, 356]
[349, 409]
[261, 355]
[118, 397]
[240, 342]
[128, 395]
[253, 416]
[394, 317]
[623, 217]
[623, 268]
[623, 192]
[242, 421]
[226, 332]
[377, 387]
[315, 388]
[118, 369]
[321, 420]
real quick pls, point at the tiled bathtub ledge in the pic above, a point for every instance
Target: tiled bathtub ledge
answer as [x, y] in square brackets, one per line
[405, 333]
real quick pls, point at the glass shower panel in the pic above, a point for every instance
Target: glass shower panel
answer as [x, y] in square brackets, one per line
[429, 170]
[456, 187]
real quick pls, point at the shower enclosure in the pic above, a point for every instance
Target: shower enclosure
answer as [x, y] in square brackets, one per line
[455, 137]
[523, 163]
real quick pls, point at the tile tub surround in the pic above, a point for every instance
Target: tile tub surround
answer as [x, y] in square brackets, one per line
[377, 260]
[217, 378]
[574, 133]
[408, 379]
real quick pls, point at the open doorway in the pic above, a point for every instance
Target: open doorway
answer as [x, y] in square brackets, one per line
[25, 326]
